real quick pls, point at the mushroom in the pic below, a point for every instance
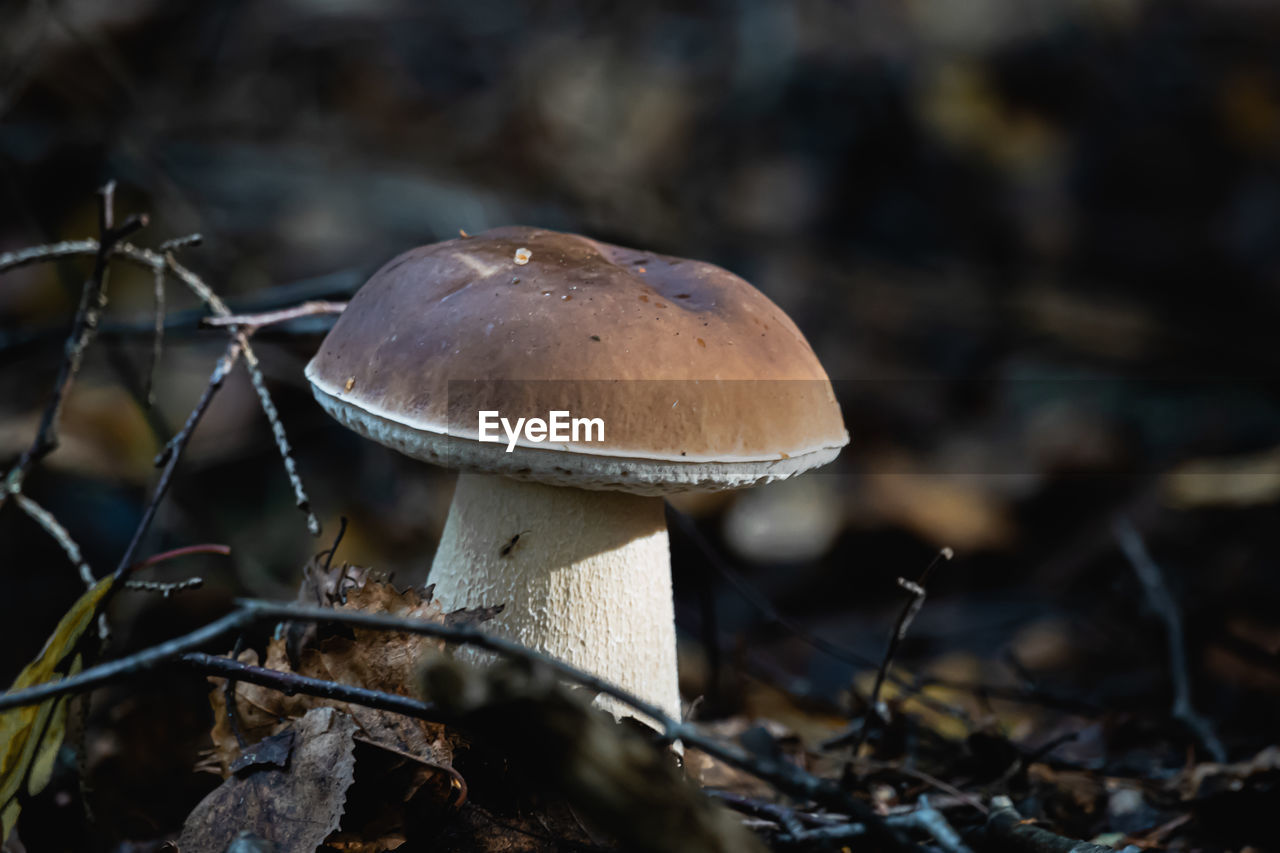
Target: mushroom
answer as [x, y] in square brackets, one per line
[699, 382]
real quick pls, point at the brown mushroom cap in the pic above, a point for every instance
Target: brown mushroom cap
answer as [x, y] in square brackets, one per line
[701, 381]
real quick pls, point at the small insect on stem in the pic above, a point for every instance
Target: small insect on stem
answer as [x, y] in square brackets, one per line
[505, 550]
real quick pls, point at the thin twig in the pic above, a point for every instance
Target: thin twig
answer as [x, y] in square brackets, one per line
[186, 241]
[784, 776]
[826, 828]
[1007, 830]
[1161, 599]
[51, 252]
[93, 298]
[282, 440]
[157, 339]
[126, 667]
[775, 812]
[905, 618]
[220, 308]
[933, 822]
[925, 820]
[291, 683]
[761, 602]
[765, 607]
[858, 734]
[269, 318]
[165, 262]
[165, 588]
[178, 325]
[184, 551]
[927, 778]
[215, 303]
[83, 326]
[59, 533]
[173, 450]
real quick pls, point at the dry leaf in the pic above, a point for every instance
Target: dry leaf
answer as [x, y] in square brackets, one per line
[419, 753]
[378, 660]
[295, 807]
[31, 736]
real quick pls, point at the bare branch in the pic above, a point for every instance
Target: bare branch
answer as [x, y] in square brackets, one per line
[162, 263]
[292, 682]
[754, 597]
[1006, 829]
[173, 451]
[184, 551]
[282, 440]
[126, 667]
[932, 821]
[783, 775]
[760, 601]
[1162, 601]
[52, 252]
[157, 338]
[185, 242]
[959, 796]
[219, 307]
[813, 829]
[60, 534]
[168, 589]
[905, 618]
[253, 322]
[93, 299]
[165, 588]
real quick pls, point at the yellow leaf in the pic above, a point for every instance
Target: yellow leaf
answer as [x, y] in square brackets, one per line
[31, 736]
[47, 752]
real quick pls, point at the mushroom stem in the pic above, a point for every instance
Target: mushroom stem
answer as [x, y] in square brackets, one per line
[584, 576]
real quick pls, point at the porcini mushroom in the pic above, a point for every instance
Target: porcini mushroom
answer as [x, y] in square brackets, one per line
[700, 383]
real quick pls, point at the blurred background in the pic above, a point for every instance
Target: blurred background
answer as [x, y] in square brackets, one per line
[1033, 243]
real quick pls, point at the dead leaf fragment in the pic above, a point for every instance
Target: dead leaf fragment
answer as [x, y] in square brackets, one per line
[378, 660]
[416, 755]
[272, 750]
[295, 807]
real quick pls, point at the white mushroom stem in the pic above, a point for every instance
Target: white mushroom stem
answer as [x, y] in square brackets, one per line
[584, 576]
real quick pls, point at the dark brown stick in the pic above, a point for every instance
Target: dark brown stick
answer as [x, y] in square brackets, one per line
[164, 262]
[761, 603]
[291, 683]
[83, 326]
[173, 451]
[858, 734]
[784, 776]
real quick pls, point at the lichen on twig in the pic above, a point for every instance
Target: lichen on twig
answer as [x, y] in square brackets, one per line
[93, 298]
[109, 246]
